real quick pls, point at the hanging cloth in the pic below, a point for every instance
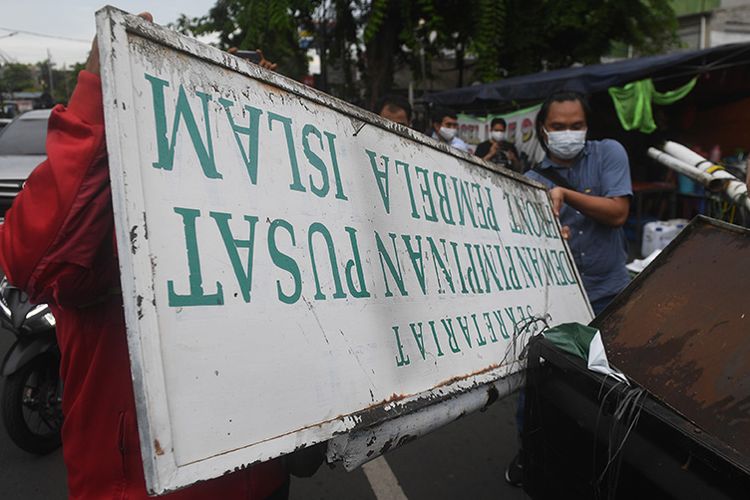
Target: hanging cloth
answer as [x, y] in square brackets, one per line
[586, 343]
[633, 102]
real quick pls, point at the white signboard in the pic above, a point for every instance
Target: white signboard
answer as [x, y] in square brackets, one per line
[291, 263]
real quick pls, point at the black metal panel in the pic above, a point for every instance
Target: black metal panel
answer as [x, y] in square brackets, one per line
[570, 434]
[682, 331]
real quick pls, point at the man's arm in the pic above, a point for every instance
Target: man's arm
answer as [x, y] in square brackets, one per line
[612, 207]
[52, 239]
[512, 154]
[482, 150]
[489, 153]
[608, 211]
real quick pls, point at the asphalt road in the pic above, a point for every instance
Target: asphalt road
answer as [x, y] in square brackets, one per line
[465, 459]
[22, 475]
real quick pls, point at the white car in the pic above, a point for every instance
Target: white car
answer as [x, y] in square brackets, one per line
[22, 148]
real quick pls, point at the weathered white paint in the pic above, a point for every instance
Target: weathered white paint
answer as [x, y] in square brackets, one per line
[358, 447]
[222, 386]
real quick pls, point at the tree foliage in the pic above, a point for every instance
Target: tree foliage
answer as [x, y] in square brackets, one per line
[270, 25]
[17, 77]
[544, 34]
[372, 38]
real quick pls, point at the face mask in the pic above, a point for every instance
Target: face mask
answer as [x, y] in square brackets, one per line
[497, 136]
[448, 133]
[566, 144]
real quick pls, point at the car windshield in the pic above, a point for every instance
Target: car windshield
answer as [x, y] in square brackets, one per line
[24, 137]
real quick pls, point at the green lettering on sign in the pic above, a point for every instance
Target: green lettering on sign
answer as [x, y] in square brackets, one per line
[244, 274]
[416, 259]
[249, 156]
[448, 326]
[286, 122]
[284, 261]
[400, 359]
[183, 114]
[395, 270]
[355, 263]
[319, 228]
[196, 297]
[418, 337]
[315, 160]
[381, 178]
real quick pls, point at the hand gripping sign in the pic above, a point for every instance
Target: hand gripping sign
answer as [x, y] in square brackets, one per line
[295, 268]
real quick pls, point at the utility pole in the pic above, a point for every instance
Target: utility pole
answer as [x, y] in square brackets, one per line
[49, 72]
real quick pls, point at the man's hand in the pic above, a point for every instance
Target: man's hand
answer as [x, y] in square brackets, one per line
[511, 156]
[92, 63]
[557, 195]
[492, 152]
[610, 211]
[263, 63]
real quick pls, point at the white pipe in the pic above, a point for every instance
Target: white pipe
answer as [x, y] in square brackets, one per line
[736, 191]
[684, 153]
[691, 157]
[733, 189]
[710, 182]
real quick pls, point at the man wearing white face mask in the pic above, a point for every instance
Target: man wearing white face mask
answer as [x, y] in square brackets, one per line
[497, 149]
[589, 183]
[445, 129]
[590, 189]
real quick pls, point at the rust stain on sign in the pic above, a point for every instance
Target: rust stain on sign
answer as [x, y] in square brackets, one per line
[682, 330]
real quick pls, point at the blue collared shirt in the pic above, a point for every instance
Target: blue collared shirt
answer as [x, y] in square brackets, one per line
[600, 251]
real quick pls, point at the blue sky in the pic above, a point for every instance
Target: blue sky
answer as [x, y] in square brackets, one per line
[73, 19]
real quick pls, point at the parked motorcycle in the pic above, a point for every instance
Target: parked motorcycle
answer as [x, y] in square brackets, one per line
[32, 397]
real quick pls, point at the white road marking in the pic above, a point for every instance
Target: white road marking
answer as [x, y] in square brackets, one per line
[382, 480]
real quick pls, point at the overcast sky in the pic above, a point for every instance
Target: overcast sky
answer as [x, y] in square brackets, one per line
[72, 19]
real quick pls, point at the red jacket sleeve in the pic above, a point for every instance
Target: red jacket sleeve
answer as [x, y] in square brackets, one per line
[56, 242]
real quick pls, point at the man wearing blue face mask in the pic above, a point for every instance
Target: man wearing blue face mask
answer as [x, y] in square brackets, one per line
[590, 189]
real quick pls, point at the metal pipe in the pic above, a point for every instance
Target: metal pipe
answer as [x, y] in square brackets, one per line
[710, 182]
[359, 447]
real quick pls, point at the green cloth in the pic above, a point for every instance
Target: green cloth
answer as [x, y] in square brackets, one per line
[586, 343]
[573, 338]
[633, 102]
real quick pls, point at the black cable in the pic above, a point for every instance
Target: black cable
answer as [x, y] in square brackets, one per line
[624, 419]
[44, 35]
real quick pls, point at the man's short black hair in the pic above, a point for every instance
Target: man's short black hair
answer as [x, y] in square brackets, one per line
[496, 121]
[560, 96]
[393, 101]
[439, 113]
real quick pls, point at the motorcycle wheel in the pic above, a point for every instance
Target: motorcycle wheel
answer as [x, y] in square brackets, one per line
[32, 405]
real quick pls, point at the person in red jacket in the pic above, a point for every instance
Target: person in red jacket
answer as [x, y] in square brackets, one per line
[58, 244]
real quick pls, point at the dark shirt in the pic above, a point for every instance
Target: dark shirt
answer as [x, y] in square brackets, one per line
[599, 250]
[501, 158]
